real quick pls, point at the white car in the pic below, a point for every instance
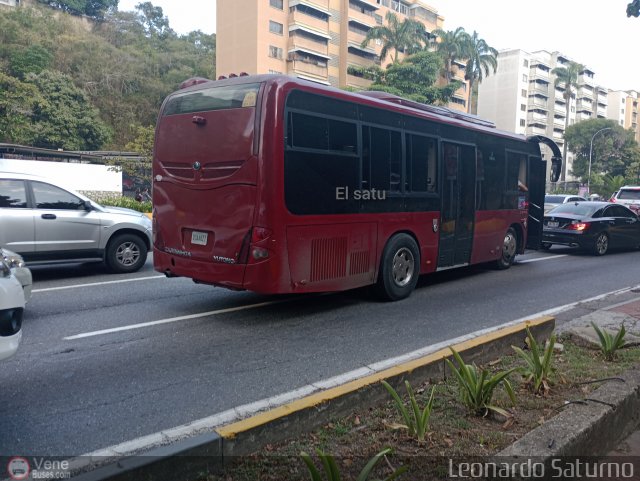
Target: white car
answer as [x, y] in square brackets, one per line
[20, 270]
[11, 310]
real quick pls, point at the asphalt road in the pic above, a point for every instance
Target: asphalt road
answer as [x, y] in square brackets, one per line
[90, 373]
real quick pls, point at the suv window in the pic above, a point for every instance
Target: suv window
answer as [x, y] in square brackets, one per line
[51, 197]
[13, 194]
[629, 194]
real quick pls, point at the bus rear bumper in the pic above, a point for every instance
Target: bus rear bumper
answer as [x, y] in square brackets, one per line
[202, 272]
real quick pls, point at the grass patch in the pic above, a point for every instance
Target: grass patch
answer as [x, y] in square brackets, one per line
[453, 431]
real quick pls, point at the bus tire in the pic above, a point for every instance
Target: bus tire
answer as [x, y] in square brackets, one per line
[126, 253]
[509, 249]
[399, 268]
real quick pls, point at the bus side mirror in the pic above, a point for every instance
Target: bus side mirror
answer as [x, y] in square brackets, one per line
[556, 168]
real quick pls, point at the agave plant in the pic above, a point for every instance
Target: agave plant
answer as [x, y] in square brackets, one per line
[609, 344]
[332, 472]
[417, 422]
[538, 362]
[476, 386]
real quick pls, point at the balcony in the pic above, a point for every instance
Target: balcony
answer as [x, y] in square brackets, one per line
[584, 94]
[305, 44]
[357, 38]
[539, 88]
[580, 116]
[584, 106]
[601, 112]
[300, 18]
[362, 18]
[539, 74]
[586, 80]
[538, 103]
[367, 4]
[558, 123]
[558, 135]
[536, 117]
[536, 130]
[358, 82]
[354, 59]
[307, 68]
[319, 5]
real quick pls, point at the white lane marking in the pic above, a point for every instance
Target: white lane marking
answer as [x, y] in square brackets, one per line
[538, 259]
[172, 319]
[93, 284]
[209, 423]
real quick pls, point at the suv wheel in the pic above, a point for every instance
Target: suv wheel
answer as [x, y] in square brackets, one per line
[126, 253]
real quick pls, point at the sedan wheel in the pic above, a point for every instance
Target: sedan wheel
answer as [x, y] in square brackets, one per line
[601, 245]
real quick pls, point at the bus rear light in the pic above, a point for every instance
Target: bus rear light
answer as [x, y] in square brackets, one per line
[232, 75]
[579, 226]
[258, 253]
[222, 77]
[259, 234]
[244, 74]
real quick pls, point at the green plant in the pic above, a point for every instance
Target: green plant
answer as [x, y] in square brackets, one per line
[609, 344]
[115, 200]
[476, 387]
[538, 362]
[417, 424]
[333, 473]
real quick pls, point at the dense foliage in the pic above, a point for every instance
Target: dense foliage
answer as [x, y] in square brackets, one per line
[613, 150]
[633, 9]
[73, 84]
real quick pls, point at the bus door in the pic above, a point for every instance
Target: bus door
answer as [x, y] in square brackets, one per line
[458, 204]
[537, 178]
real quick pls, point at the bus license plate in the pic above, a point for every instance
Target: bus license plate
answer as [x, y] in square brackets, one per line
[553, 224]
[199, 238]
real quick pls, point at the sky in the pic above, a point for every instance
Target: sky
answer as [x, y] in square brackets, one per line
[595, 33]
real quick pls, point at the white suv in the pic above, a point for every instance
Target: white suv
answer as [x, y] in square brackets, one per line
[46, 223]
[629, 196]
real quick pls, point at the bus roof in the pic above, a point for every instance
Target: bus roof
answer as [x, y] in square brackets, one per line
[371, 98]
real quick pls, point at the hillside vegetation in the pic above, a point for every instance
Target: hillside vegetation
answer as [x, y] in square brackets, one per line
[79, 85]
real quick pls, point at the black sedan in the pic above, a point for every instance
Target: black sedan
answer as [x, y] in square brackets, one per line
[595, 226]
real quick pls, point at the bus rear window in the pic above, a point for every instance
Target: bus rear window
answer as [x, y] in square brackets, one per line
[216, 98]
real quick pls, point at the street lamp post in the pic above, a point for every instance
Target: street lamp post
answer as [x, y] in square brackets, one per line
[590, 154]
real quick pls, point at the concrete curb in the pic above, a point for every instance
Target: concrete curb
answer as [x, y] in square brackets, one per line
[592, 428]
[207, 453]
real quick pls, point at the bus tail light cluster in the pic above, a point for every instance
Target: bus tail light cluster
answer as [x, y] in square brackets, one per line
[249, 250]
[579, 226]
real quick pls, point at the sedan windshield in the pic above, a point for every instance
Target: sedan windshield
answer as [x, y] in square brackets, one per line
[629, 194]
[575, 208]
[554, 199]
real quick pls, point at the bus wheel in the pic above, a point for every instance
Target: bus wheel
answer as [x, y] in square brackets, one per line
[399, 268]
[509, 248]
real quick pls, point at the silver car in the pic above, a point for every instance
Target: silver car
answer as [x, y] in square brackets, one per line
[46, 223]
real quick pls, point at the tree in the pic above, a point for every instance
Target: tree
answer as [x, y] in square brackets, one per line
[451, 46]
[481, 60]
[415, 78]
[633, 9]
[33, 59]
[567, 79]
[17, 103]
[95, 9]
[397, 36]
[615, 152]
[65, 118]
[154, 20]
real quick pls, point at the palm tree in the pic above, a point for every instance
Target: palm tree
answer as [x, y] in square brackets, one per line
[451, 46]
[396, 36]
[481, 58]
[567, 79]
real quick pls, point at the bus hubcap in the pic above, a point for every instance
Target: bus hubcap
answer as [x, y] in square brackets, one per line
[509, 248]
[403, 267]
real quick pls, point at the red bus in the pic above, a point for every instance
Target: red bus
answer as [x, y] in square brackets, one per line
[278, 185]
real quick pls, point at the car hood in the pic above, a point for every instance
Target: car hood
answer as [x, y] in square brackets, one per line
[122, 210]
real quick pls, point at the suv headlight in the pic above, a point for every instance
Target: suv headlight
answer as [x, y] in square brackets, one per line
[5, 270]
[15, 261]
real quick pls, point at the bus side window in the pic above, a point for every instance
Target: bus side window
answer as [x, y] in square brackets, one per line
[421, 164]
[386, 160]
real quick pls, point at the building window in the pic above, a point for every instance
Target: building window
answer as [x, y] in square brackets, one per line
[525, 63]
[275, 52]
[523, 92]
[523, 107]
[276, 4]
[275, 27]
[622, 111]
[525, 78]
[522, 123]
[275, 72]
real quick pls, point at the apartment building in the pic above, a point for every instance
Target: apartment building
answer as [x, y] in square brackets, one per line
[521, 96]
[623, 108]
[317, 40]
